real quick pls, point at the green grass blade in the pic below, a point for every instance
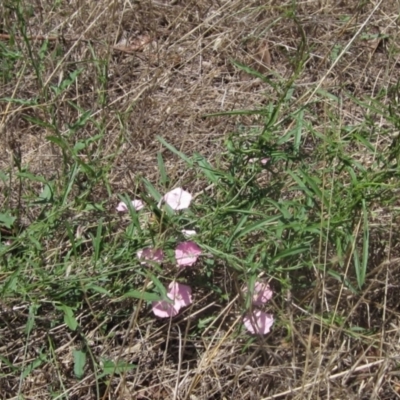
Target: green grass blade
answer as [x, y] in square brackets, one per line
[174, 150]
[161, 168]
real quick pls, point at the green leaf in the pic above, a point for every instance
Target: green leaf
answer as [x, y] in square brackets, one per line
[59, 141]
[79, 146]
[161, 167]
[237, 230]
[97, 289]
[69, 318]
[205, 322]
[257, 226]
[137, 294]
[71, 79]
[34, 241]
[257, 74]
[32, 366]
[7, 220]
[82, 145]
[133, 213]
[31, 318]
[81, 121]
[328, 95]
[73, 173]
[46, 195]
[9, 364]
[32, 102]
[39, 122]
[32, 177]
[282, 207]
[98, 240]
[298, 131]
[207, 169]
[4, 177]
[174, 150]
[79, 363]
[290, 252]
[152, 190]
[109, 367]
[160, 287]
[94, 207]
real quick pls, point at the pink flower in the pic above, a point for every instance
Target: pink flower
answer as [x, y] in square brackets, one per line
[178, 199]
[163, 309]
[180, 294]
[136, 204]
[261, 293]
[187, 232]
[150, 254]
[186, 253]
[258, 322]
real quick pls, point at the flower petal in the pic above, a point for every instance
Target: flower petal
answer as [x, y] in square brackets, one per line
[178, 199]
[136, 204]
[261, 294]
[122, 207]
[182, 294]
[187, 253]
[187, 232]
[258, 322]
[150, 254]
[163, 309]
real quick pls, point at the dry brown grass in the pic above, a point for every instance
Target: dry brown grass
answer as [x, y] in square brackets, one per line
[168, 65]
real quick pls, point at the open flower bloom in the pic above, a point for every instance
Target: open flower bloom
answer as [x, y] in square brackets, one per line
[181, 295]
[261, 293]
[258, 322]
[163, 309]
[187, 253]
[150, 254]
[178, 199]
[136, 204]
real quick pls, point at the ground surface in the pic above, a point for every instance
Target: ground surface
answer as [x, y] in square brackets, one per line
[86, 89]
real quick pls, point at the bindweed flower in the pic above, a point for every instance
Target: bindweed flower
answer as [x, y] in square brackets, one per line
[258, 322]
[187, 233]
[180, 294]
[187, 253]
[136, 204]
[178, 199]
[163, 309]
[261, 293]
[150, 254]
